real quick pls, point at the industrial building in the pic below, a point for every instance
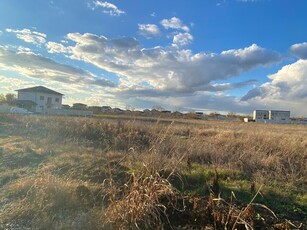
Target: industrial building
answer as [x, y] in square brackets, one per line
[260, 115]
[279, 115]
[270, 116]
[276, 115]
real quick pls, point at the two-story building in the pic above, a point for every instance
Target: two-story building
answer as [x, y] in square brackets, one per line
[260, 114]
[39, 98]
[271, 115]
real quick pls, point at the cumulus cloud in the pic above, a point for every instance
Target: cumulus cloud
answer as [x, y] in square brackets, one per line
[37, 67]
[149, 30]
[174, 23]
[228, 86]
[108, 8]
[29, 36]
[299, 50]
[209, 102]
[182, 39]
[141, 91]
[163, 69]
[198, 101]
[54, 47]
[286, 90]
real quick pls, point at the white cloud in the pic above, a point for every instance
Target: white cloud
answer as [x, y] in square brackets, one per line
[54, 47]
[22, 49]
[148, 30]
[176, 71]
[198, 101]
[37, 67]
[29, 36]
[286, 90]
[10, 84]
[153, 74]
[174, 23]
[299, 50]
[109, 8]
[182, 39]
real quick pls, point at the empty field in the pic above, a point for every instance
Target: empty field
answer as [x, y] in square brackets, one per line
[120, 173]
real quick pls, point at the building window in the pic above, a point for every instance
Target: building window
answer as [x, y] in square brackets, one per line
[57, 100]
[41, 98]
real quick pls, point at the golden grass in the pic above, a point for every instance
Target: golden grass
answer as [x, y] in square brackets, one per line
[130, 174]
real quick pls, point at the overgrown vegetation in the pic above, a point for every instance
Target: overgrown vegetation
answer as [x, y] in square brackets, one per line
[100, 173]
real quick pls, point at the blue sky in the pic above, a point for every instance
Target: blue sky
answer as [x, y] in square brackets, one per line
[225, 56]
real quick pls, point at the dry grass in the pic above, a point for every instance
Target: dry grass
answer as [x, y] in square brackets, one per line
[140, 206]
[76, 173]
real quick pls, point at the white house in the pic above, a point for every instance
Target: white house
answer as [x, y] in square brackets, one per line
[38, 99]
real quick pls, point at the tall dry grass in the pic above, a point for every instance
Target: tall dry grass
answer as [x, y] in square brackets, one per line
[122, 174]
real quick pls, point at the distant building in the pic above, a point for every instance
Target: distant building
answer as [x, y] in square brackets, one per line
[79, 106]
[95, 109]
[106, 109]
[199, 115]
[39, 98]
[117, 110]
[260, 114]
[270, 116]
[220, 117]
[279, 115]
[66, 107]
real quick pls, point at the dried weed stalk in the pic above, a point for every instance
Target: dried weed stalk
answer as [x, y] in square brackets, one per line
[141, 206]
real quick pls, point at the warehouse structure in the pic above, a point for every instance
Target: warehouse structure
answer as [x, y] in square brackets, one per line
[276, 115]
[270, 116]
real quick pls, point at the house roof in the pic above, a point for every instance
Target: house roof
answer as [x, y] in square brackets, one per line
[79, 104]
[40, 89]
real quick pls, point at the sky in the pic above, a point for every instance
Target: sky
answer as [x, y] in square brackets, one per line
[181, 55]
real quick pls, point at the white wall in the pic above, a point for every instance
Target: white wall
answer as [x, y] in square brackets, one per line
[41, 99]
[69, 112]
[26, 96]
[260, 114]
[279, 115]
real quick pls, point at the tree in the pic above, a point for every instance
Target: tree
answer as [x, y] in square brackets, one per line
[231, 114]
[2, 98]
[8, 98]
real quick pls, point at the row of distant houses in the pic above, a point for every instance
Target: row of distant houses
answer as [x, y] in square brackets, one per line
[42, 100]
